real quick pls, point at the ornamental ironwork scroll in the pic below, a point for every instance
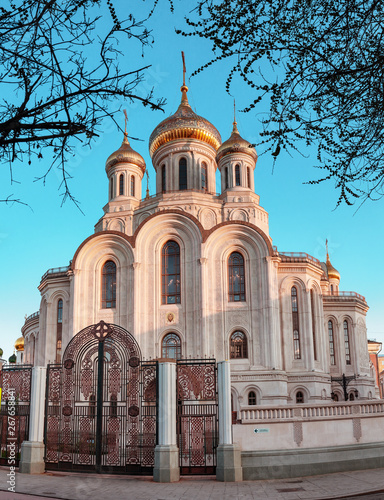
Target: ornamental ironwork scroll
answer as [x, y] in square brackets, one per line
[197, 418]
[15, 408]
[94, 407]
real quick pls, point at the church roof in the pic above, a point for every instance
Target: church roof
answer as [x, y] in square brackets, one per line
[125, 154]
[236, 144]
[184, 124]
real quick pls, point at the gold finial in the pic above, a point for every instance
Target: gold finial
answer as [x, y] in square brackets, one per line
[184, 88]
[326, 246]
[234, 131]
[125, 128]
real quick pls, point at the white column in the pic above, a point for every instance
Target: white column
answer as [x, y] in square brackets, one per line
[167, 469]
[224, 395]
[228, 455]
[32, 451]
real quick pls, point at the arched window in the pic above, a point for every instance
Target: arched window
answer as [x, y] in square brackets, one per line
[236, 278]
[346, 343]
[132, 185]
[351, 396]
[108, 295]
[183, 174]
[59, 330]
[237, 175]
[204, 177]
[111, 188]
[299, 397]
[335, 397]
[170, 273]
[163, 179]
[295, 324]
[313, 325]
[171, 346]
[121, 184]
[331, 342]
[238, 346]
[248, 177]
[251, 398]
[226, 180]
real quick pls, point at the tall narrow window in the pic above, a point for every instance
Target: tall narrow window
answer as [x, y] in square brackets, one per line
[121, 184]
[238, 346]
[295, 324]
[299, 397]
[163, 179]
[237, 175]
[204, 177]
[170, 271]
[251, 398]
[248, 177]
[236, 278]
[108, 296]
[331, 342]
[111, 188]
[313, 325]
[171, 346]
[226, 181]
[59, 330]
[346, 343]
[182, 174]
[132, 185]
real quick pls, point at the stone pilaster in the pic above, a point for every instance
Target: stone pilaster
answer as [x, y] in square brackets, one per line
[32, 451]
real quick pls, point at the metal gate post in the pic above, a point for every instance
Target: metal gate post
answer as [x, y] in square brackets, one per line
[166, 468]
[228, 455]
[32, 451]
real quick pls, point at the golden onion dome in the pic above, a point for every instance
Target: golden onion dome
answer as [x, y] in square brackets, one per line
[236, 144]
[184, 124]
[125, 154]
[332, 272]
[19, 344]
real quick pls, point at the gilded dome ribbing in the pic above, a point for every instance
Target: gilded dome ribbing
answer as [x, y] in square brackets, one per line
[125, 154]
[184, 124]
[19, 344]
[332, 272]
[236, 144]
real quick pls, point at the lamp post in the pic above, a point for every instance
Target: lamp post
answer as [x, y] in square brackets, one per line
[344, 381]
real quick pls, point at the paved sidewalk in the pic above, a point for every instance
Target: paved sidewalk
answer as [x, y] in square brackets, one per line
[75, 486]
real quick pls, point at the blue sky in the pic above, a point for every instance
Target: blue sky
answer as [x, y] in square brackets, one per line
[301, 217]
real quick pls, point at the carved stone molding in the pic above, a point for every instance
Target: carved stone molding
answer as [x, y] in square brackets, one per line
[298, 432]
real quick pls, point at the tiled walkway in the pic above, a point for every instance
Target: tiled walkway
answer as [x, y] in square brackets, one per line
[74, 486]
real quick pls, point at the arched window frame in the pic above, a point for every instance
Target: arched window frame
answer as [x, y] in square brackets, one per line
[226, 178]
[170, 273]
[111, 188]
[183, 177]
[108, 285]
[121, 185]
[252, 399]
[331, 339]
[59, 330]
[238, 345]
[237, 175]
[204, 177]
[236, 277]
[171, 346]
[347, 344]
[163, 179]
[132, 185]
[295, 323]
[248, 177]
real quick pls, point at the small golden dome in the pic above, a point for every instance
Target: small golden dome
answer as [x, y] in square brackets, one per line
[19, 344]
[125, 154]
[184, 124]
[236, 144]
[332, 272]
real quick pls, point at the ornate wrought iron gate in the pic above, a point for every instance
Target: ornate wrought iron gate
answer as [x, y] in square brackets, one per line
[14, 414]
[197, 419]
[101, 405]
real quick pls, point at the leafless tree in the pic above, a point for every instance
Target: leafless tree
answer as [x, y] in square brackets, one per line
[59, 69]
[319, 65]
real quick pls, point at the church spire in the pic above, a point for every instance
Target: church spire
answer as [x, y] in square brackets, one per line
[184, 88]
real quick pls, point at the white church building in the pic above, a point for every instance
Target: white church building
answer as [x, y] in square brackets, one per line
[192, 273]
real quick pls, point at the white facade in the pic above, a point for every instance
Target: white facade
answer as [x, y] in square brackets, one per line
[208, 229]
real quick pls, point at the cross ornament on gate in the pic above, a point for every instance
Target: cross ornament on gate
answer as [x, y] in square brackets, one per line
[101, 330]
